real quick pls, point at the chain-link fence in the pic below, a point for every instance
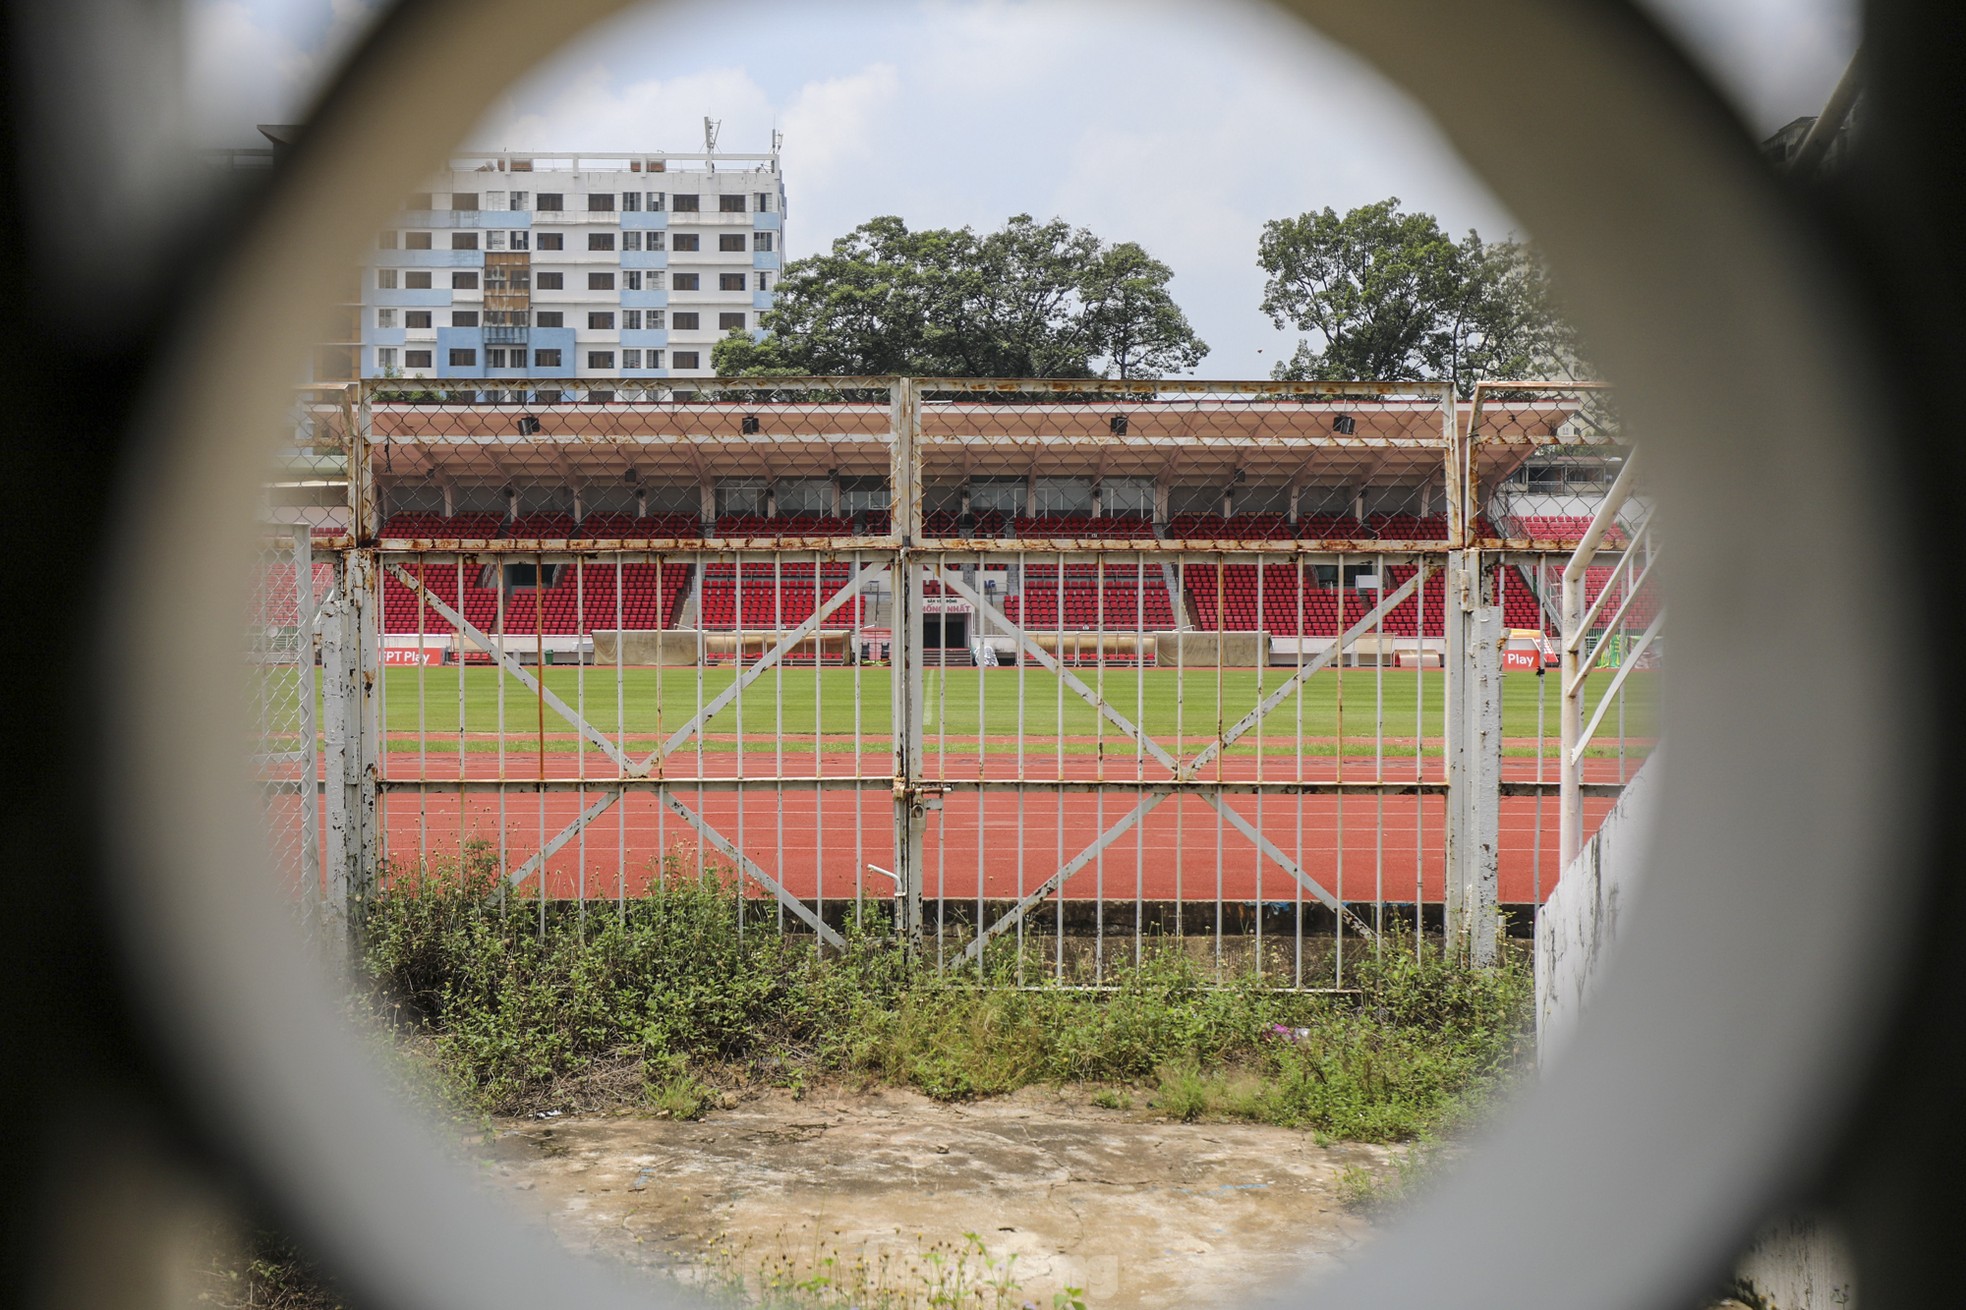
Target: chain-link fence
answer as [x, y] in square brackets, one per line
[287, 586]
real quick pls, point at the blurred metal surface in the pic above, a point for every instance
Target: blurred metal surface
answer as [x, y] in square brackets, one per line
[1737, 1060]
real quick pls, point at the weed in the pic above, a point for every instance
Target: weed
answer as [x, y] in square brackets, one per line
[678, 985]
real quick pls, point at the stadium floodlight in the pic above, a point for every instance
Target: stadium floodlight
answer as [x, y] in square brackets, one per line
[528, 425]
[1344, 425]
[1117, 425]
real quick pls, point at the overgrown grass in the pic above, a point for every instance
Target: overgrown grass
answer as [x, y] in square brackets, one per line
[675, 997]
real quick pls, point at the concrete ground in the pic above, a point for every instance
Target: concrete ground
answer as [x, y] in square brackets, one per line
[1133, 1209]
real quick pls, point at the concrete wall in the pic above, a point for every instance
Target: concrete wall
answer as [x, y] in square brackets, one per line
[1577, 927]
[1204, 650]
[645, 646]
[1796, 1265]
[1793, 1265]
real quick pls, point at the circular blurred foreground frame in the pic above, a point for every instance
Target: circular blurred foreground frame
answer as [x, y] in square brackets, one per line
[1730, 1037]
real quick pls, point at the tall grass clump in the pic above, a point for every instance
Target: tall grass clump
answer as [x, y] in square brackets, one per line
[673, 994]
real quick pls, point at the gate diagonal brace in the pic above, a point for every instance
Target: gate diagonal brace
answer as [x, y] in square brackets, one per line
[1288, 865]
[1070, 679]
[538, 861]
[510, 665]
[751, 870]
[756, 671]
[974, 951]
[1344, 643]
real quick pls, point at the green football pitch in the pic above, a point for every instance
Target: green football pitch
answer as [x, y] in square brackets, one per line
[844, 704]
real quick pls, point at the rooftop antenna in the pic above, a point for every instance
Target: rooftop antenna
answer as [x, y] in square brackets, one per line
[710, 129]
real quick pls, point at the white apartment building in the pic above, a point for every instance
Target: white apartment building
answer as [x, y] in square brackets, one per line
[605, 266]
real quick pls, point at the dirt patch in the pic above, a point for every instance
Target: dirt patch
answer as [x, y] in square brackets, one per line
[1135, 1210]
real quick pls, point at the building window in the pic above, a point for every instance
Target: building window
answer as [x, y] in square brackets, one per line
[600, 202]
[600, 321]
[654, 358]
[687, 204]
[385, 279]
[763, 282]
[464, 318]
[730, 281]
[631, 320]
[686, 241]
[494, 200]
[631, 359]
[464, 202]
[463, 357]
[416, 241]
[552, 241]
[600, 241]
[684, 320]
[464, 281]
[730, 322]
[522, 241]
[416, 279]
[631, 240]
[416, 320]
[552, 318]
[385, 318]
[386, 240]
[730, 204]
[658, 201]
[550, 202]
[683, 281]
[545, 359]
[600, 359]
[416, 359]
[686, 359]
[550, 281]
[630, 201]
[600, 281]
[522, 200]
[658, 240]
[495, 357]
[761, 240]
[730, 241]
[385, 357]
[764, 202]
[632, 280]
[464, 241]
[494, 241]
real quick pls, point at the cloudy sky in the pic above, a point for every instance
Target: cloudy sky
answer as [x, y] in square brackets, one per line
[1160, 127]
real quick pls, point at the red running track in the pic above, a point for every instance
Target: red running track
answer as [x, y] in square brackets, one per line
[1361, 847]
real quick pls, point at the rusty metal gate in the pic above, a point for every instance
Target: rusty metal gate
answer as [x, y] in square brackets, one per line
[1041, 674]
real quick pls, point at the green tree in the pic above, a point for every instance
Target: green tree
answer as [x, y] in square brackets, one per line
[1389, 295]
[1029, 300]
[1137, 328]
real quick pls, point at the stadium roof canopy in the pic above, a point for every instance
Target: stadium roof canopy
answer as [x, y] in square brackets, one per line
[1328, 441]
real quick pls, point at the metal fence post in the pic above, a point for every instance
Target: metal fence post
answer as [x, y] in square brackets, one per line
[907, 654]
[1481, 867]
[1473, 717]
[350, 655]
[365, 593]
[338, 750]
[308, 746]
